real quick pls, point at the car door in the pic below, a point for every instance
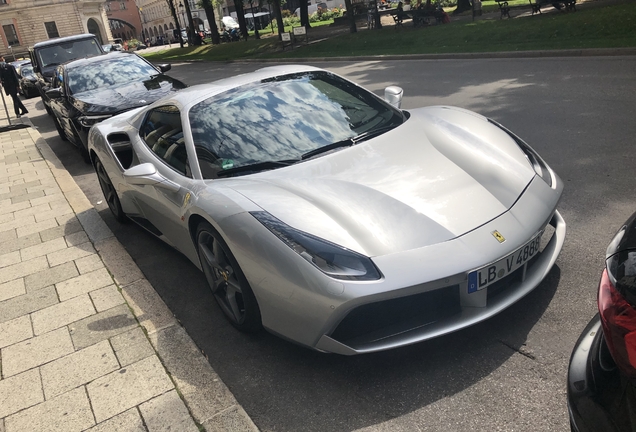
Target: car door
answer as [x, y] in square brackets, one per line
[161, 205]
[61, 106]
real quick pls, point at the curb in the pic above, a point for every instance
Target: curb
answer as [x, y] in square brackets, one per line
[210, 403]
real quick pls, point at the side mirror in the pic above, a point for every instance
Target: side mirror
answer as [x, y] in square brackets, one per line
[147, 174]
[55, 93]
[393, 95]
[165, 67]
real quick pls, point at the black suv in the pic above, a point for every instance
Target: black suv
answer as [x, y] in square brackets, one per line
[48, 55]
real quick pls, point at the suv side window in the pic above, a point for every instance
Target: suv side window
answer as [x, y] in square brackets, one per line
[163, 134]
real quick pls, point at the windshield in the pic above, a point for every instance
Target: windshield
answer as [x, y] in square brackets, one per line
[284, 118]
[26, 71]
[108, 72]
[57, 54]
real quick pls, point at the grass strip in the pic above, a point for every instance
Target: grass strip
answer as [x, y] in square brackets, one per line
[600, 27]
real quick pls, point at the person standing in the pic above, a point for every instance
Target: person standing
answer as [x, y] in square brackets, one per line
[11, 82]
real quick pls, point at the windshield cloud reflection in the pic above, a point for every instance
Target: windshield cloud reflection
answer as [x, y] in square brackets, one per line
[108, 73]
[283, 118]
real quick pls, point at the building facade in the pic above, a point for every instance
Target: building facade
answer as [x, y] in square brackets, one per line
[25, 22]
[124, 19]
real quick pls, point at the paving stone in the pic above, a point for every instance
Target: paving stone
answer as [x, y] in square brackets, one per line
[62, 314]
[62, 230]
[118, 261]
[14, 243]
[89, 263]
[36, 227]
[35, 351]
[7, 207]
[69, 412]
[43, 249]
[128, 421]
[76, 238]
[167, 413]
[148, 307]
[206, 394]
[78, 368]
[6, 236]
[128, 387]
[50, 276]
[106, 298]
[9, 259]
[15, 330]
[27, 303]
[70, 254]
[83, 284]
[20, 392]
[53, 213]
[12, 289]
[32, 210]
[24, 186]
[18, 223]
[132, 346]
[27, 197]
[78, 201]
[102, 326]
[48, 199]
[234, 419]
[22, 269]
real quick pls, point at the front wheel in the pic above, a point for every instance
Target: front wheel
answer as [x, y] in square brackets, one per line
[226, 280]
[110, 194]
[60, 131]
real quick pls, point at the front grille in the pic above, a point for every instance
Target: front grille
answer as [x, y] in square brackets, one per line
[387, 318]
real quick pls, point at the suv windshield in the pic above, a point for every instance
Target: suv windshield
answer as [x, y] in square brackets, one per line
[57, 54]
[108, 72]
[284, 118]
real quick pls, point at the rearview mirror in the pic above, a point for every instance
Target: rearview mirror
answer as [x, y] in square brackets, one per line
[393, 95]
[165, 67]
[147, 174]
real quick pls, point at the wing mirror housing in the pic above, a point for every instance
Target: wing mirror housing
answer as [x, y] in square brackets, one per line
[147, 174]
[393, 95]
[165, 67]
[55, 93]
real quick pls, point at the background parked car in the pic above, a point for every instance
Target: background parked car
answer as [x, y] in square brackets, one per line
[602, 373]
[90, 90]
[28, 81]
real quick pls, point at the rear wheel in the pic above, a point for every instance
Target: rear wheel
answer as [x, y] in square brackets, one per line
[226, 280]
[110, 194]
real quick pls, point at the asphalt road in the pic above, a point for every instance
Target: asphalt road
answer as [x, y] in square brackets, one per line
[507, 373]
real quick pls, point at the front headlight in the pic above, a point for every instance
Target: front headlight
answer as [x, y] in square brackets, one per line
[333, 260]
[538, 164]
[88, 121]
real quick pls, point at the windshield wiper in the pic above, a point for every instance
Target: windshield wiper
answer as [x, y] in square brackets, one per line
[255, 167]
[348, 142]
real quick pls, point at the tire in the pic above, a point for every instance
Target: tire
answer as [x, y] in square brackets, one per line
[226, 280]
[110, 194]
[60, 131]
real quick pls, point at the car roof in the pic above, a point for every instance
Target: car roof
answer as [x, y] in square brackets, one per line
[56, 41]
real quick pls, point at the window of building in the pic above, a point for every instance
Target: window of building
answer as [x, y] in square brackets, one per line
[122, 5]
[51, 29]
[11, 35]
[3, 2]
[107, 7]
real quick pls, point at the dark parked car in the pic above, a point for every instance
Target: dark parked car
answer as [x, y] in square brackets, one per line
[88, 91]
[602, 373]
[27, 81]
[46, 56]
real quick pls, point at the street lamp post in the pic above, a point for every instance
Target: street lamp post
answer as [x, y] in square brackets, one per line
[182, 15]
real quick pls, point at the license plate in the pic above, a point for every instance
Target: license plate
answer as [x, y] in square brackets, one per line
[481, 278]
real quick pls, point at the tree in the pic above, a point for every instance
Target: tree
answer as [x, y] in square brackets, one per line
[192, 40]
[173, 11]
[304, 14]
[240, 15]
[256, 35]
[279, 17]
[351, 16]
[209, 12]
[462, 5]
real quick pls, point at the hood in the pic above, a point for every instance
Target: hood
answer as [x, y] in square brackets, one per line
[126, 96]
[442, 173]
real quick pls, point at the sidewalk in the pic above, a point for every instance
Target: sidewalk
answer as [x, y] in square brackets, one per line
[85, 341]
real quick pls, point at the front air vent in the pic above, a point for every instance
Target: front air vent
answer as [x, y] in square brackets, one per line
[121, 145]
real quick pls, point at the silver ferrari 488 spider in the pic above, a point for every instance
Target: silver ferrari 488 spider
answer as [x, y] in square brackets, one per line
[330, 216]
